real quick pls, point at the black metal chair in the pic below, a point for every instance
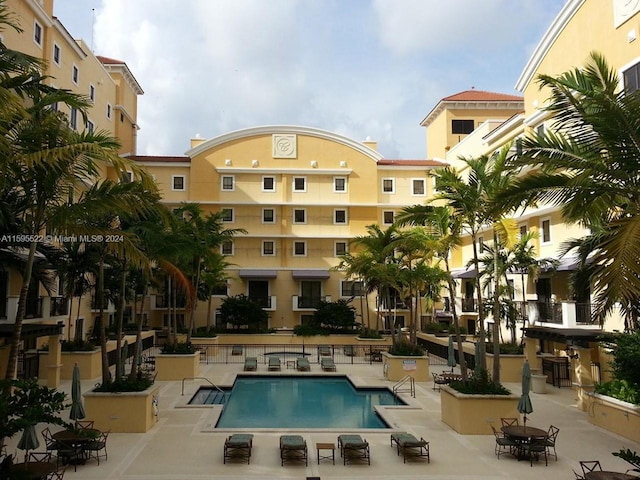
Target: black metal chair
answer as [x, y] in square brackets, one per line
[97, 448]
[504, 444]
[552, 436]
[508, 421]
[535, 448]
[590, 466]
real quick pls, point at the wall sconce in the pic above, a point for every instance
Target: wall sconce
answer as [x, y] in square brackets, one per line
[255, 163]
[227, 162]
[571, 352]
[314, 164]
[343, 163]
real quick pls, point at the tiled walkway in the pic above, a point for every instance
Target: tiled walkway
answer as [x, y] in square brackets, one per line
[183, 445]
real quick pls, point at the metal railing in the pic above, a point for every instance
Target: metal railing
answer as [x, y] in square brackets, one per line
[219, 390]
[411, 388]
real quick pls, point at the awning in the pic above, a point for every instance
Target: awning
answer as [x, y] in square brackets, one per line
[310, 274]
[249, 273]
[30, 330]
[463, 273]
[561, 335]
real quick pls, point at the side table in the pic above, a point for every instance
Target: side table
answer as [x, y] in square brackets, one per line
[326, 446]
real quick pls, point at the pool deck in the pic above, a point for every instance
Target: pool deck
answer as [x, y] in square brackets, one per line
[185, 445]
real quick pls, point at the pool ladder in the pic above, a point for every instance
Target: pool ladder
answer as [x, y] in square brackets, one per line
[219, 394]
[407, 384]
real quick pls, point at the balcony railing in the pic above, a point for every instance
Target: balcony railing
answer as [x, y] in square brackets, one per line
[58, 306]
[268, 303]
[584, 314]
[33, 308]
[162, 302]
[469, 305]
[308, 302]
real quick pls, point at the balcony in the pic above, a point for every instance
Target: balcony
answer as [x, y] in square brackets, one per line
[58, 306]
[268, 303]
[565, 314]
[33, 308]
[161, 302]
[468, 305]
[308, 303]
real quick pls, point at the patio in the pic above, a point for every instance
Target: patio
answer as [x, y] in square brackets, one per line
[184, 444]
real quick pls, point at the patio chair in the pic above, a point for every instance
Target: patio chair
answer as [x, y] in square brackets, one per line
[438, 380]
[503, 444]
[536, 447]
[293, 448]
[349, 351]
[40, 457]
[84, 424]
[324, 350]
[49, 441]
[97, 448]
[328, 365]
[590, 466]
[238, 445]
[552, 435]
[410, 446]
[509, 421]
[69, 454]
[577, 475]
[236, 350]
[58, 474]
[274, 363]
[302, 364]
[353, 448]
[250, 364]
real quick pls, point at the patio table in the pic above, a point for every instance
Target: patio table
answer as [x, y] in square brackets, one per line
[521, 434]
[33, 470]
[607, 475]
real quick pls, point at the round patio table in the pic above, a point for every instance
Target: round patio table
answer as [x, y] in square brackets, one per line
[523, 433]
[76, 438]
[606, 475]
[34, 470]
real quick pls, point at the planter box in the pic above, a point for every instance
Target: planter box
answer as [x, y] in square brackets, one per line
[396, 367]
[122, 412]
[474, 414]
[89, 363]
[177, 367]
[510, 367]
[614, 415]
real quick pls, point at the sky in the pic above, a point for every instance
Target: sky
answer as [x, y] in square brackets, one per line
[358, 68]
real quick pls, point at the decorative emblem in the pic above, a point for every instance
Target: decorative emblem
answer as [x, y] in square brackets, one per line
[623, 10]
[284, 146]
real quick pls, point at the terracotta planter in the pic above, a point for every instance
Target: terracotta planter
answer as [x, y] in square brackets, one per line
[123, 412]
[614, 415]
[396, 367]
[474, 414]
[177, 366]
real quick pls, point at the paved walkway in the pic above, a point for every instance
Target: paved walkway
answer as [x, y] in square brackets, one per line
[183, 445]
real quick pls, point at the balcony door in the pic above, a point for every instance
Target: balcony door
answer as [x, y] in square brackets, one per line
[258, 291]
[543, 292]
[310, 293]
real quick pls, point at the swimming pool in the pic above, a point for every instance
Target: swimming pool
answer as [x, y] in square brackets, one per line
[302, 402]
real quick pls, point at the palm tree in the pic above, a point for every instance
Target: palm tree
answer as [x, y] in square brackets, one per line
[589, 165]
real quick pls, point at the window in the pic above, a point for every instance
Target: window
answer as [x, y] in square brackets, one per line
[388, 185]
[227, 215]
[228, 183]
[340, 217]
[177, 182]
[56, 54]
[352, 288]
[90, 126]
[226, 248]
[126, 177]
[299, 215]
[545, 226]
[631, 79]
[268, 248]
[523, 230]
[299, 249]
[92, 93]
[339, 184]
[418, 186]
[109, 111]
[462, 127]
[341, 248]
[299, 184]
[387, 217]
[268, 184]
[37, 33]
[268, 215]
[73, 118]
[75, 74]
[540, 130]
[481, 244]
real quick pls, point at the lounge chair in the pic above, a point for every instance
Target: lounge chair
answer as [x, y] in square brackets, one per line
[293, 448]
[302, 364]
[236, 350]
[349, 351]
[410, 446]
[238, 445]
[274, 363]
[328, 364]
[250, 364]
[438, 380]
[353, 448]
[324, 350]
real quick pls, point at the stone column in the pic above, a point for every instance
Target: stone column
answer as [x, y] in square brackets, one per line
[530, 349]
[55, 362]
[582, 374]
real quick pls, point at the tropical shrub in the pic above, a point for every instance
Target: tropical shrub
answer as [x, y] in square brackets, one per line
[404, 348]
[77, 346]
[370, 333]
[506, 348]
[178, 348]
[480, 384]
[620, 389]
[436, 328]
[138, 383]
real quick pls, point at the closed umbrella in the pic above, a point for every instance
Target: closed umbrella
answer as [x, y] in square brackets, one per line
[124, 353]
[524, 404]
[477, 367]
[451, 358]
[77, 410]
[28, 441]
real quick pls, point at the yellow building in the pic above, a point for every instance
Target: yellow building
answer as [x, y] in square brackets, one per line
[582, 26]
[301, 194]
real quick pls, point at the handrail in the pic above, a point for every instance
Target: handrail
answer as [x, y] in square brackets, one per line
[401, 382]
[202, 378]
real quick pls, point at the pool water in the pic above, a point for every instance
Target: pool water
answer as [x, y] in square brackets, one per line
[303, 402]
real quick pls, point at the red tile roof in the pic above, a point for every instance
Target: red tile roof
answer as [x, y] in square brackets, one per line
[412, 163]
[109, 61]
[482, 96]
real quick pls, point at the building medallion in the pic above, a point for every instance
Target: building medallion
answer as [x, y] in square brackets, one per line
[284, 146]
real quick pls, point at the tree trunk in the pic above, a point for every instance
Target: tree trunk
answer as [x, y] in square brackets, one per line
[496, 311]
[456, 323]
[121, 302]
[106, 377]
[481, 332]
